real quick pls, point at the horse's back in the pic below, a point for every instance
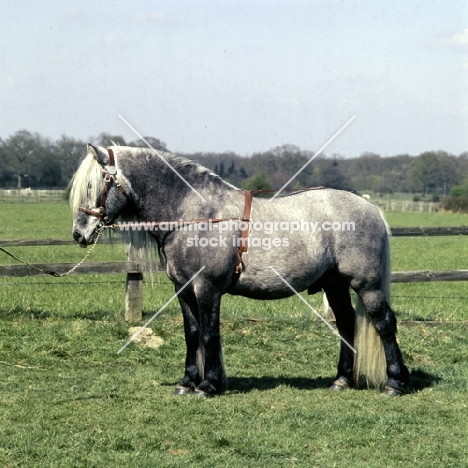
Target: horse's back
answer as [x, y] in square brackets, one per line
[306, 234]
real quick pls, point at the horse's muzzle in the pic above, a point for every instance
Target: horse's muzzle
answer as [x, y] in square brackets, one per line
[80, 239]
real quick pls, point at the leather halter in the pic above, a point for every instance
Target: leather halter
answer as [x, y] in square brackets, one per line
[110, 174]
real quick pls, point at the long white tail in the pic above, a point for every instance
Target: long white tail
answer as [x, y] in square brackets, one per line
[370, 359]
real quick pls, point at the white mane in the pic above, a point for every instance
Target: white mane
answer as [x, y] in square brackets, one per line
[86, 184]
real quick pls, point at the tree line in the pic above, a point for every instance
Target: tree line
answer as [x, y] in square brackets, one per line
[30, 160]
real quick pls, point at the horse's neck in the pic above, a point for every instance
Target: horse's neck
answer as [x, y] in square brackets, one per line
[159, 204]
[163, 194]
[164, 197]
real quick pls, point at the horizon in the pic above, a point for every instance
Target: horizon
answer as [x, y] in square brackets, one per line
[303, 151]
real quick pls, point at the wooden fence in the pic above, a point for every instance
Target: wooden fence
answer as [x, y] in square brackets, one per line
[134, 277]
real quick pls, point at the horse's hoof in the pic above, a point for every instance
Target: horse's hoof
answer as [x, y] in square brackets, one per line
[181, 390]
[339, 385]
[203, 394]
[392, 392]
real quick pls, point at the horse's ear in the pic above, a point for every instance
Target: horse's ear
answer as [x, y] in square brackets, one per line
[99, 154]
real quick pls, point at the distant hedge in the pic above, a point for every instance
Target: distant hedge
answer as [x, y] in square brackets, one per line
[454, 204]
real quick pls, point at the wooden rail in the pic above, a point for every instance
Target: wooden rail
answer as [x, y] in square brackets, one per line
[429, 231]
[96, 268]
[134, 277]
[426, 276]
[89, 268]
[134, 281]
[39, 242]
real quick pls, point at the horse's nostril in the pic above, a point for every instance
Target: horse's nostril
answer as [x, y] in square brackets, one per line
[79, 239]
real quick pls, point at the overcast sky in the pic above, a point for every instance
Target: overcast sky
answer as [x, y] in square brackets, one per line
[239, 75]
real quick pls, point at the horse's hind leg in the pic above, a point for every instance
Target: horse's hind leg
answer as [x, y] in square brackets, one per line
[384, 320]
[337, 291]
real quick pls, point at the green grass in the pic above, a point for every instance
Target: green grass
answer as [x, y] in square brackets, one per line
[35, 221]
[68, 399]
[411, 219]
[80, 404]
[429, 301]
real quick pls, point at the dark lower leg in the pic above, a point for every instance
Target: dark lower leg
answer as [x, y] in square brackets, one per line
[214, 379]
[385, 322]
[340, 301]
[193, 340]
[204, 368]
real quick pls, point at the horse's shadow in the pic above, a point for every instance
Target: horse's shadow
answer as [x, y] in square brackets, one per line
[419, 380]
[248, 384]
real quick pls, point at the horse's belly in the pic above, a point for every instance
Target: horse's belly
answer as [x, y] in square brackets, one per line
[271, 276]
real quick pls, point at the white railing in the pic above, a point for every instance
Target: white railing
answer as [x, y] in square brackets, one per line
[401, 205]
[31, 196]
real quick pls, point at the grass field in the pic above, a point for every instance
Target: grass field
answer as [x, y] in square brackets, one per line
[68, 399]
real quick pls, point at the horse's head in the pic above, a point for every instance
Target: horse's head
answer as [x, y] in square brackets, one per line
[97, 197]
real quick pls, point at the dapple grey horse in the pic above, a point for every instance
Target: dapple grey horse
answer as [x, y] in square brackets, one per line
[310, 240]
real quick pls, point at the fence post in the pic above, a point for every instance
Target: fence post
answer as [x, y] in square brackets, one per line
[134, 297]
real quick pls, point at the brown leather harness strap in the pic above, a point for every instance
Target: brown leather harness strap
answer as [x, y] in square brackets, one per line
[111, 157]
[287, 190]
[244, 237]
[112, 170]
[98, 214]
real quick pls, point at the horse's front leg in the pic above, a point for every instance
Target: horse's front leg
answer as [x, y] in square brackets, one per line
[204, 367]
[195, 356]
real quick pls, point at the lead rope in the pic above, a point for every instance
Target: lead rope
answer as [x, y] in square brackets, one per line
[54, 273]
[88, 253]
